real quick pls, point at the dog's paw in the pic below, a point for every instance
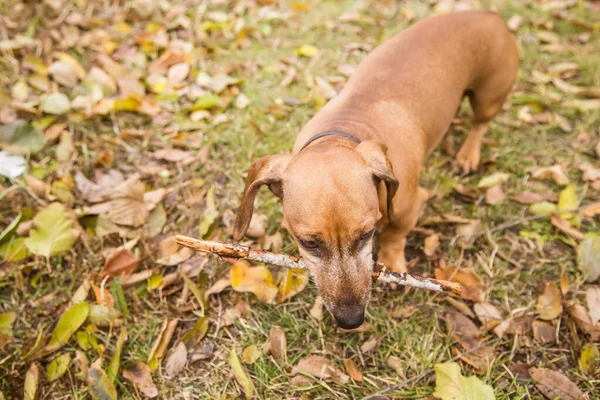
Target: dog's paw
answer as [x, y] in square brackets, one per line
[468, 159]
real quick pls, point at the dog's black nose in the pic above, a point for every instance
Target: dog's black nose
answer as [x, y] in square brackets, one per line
[350, 320]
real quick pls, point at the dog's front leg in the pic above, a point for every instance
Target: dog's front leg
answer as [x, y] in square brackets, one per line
[393, 237]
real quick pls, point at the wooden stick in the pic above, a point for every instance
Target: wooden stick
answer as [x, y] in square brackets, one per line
[380, 272]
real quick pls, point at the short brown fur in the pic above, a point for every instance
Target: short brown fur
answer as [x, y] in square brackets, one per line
[399, 103]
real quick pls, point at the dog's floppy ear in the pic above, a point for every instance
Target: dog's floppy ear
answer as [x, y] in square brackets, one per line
[264, 171]
[374, 153]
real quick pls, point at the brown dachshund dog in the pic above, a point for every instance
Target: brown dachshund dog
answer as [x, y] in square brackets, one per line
[356, 164]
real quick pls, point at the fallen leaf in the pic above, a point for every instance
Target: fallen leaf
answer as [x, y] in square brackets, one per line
[170, 253]
[257, 280]
[98, 191]
[277, 343]
[102, 296]
[403, 312]
[590, 173]
[258, 226]
[588, 258]
[555, 172]
[196, 291]
[543, 332]
[21, 138]
[81, 363]
[494, 195]
[565, 227]
[140, 375]
[581, 317]
[465, 332]
[32, 378]
[56, 103]
[590, 359]
[553, 384]
[371, 344]
[63, 74]
[514, 22]
[549, 304]
[321, 368]
[543, 208]
[57, 367]
[6, 327]
[592, 297]
[176, 361]
[432, 242]
[127, 205]
[307, 50]
[293, 282]
[177, 73]
[466, 276]
[54, 231]
[198, 331]
[468, 232]
[353, 370]
[115, 360]
[173, 155]
[529, 198]
[240, 374]
[251, 354]
[397, 365]
[495, 179]
[101, 387]
[104, 316]
[160, 344]
[567, 200]
[591, 210]
[67, 325]
[451, 385]
[121, 262]
[316, 311]
[488, 315]
[11, 165]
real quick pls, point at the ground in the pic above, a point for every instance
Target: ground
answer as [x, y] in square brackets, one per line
[187, 130]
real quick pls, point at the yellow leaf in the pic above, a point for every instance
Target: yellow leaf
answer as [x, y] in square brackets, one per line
[257, 280]
[550, 303]
[251, 354]
[240, 374]
[128, 104]
[294, 281]
[307, 50]
[567, 200]
[590, 358]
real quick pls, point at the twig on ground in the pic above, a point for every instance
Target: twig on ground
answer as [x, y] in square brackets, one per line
[380, 272]
[426, 372]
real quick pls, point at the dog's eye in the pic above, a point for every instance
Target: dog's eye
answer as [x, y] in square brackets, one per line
[366, 235]
[309, 244]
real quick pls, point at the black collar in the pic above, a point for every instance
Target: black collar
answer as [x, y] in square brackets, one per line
[331, 133]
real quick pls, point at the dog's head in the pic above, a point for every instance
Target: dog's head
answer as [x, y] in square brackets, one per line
[331, 205]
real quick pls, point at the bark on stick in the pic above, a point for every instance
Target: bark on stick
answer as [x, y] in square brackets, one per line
[380, 272]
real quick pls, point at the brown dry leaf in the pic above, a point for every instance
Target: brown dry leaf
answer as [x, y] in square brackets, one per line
[584, 321]
[488, 315]
[556, 172]
[258, 226]
[590, 173]
[218, 287]
[174, 155]
[278, 343]
[160, 344]
[583, 140]
[352, 370]
[250, 354]
[154, 197]
[140, 375]
[543, 332]
[592, 297]
[257, 280]
[460, 305]
[127, 206]
[177, 73]
[529, 198]
[494, 195]
[549, 304]
[592, 210]
[397, 365]
[321, 368]
[465, 276]
[98, 191]
[468, 232]
[403, 312]
[565, 227]
[293, 282]
[121, 262]
[102, 295]
[170, 253]
[564, 281]
[176, 361]
[432, 242]
[316, 311]
[465, 332]
[371, 344]
[554, 385]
